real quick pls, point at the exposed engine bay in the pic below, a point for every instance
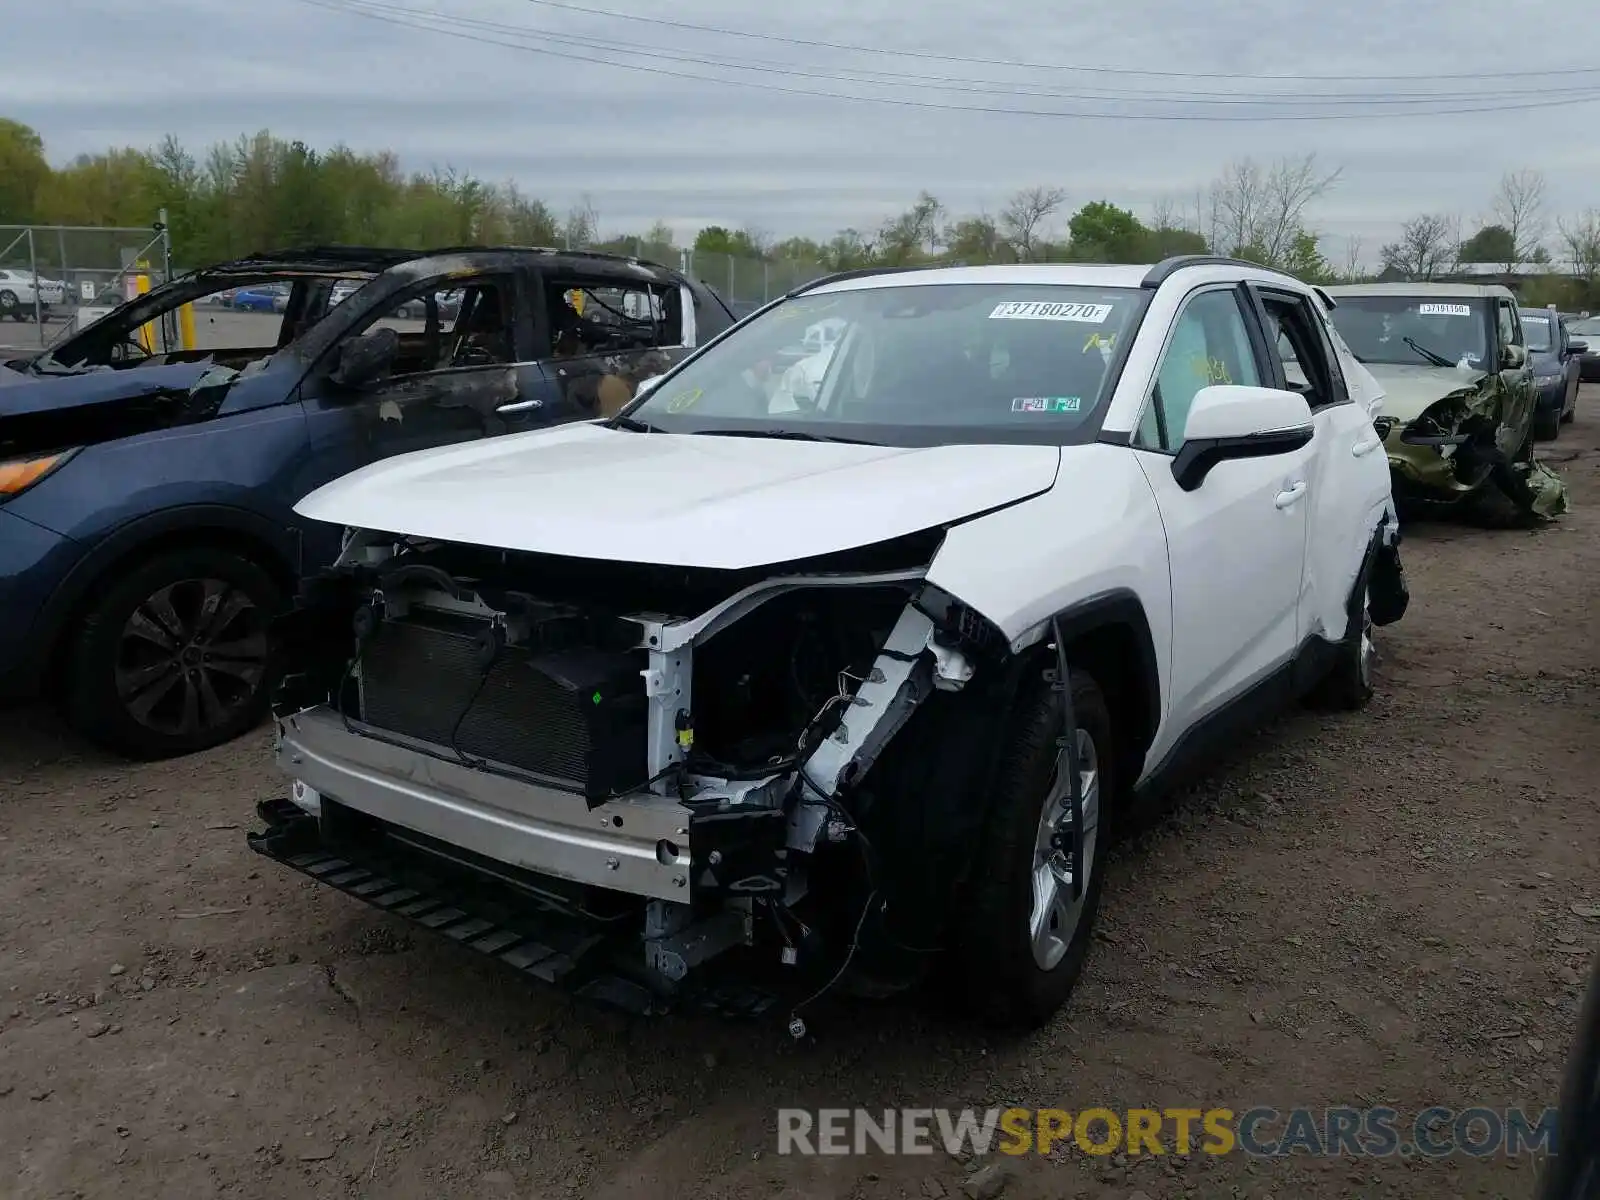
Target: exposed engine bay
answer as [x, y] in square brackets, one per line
[669, 764]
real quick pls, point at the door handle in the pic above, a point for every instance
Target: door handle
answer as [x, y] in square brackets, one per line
[1365, 447]
[1286, 498]
[517, 406]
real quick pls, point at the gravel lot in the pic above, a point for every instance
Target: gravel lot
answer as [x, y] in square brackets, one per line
[1366, 909]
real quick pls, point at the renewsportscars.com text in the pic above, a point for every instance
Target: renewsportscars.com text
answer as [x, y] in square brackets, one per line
[1261, 1132]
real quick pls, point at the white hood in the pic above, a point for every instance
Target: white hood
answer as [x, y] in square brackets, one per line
[585, 491]
[1408, 390]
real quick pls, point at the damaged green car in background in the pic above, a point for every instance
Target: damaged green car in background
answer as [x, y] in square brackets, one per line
[1458, 410]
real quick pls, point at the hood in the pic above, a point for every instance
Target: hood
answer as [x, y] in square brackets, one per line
[1408, 390]
[585, 491]
[33, 393]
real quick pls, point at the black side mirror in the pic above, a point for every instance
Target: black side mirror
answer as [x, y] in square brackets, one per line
[1575, 346]
[365, 359]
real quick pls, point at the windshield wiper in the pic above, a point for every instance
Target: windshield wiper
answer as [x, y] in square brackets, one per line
[789, 435]
[1438, 360]
[632, 425]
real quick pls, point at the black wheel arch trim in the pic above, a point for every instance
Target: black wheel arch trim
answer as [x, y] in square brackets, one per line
[1116, 606]
[129, 538]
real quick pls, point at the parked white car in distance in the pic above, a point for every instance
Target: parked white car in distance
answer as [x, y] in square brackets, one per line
[22, 294]
[877, 672]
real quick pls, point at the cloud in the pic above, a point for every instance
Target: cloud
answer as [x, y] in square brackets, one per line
[649, 145]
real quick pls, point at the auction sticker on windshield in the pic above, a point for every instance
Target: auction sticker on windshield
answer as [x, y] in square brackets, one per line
[1050, 310]
[1445, 310]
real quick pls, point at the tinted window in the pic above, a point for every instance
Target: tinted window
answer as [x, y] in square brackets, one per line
[1414, 330]
[913, 364]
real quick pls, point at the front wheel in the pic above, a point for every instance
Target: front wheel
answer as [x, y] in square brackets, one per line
[173, 656]
[1025, 935]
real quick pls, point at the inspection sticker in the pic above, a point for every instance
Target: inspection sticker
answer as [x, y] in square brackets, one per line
[1047, 404]
[1445, 310]
[1050, 310]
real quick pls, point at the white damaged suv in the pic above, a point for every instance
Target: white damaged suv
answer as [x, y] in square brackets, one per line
[735, 696]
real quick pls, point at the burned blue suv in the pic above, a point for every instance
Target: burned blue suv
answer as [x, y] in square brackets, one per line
[147, 531]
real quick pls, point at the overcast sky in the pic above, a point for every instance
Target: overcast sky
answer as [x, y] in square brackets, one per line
[692, 152]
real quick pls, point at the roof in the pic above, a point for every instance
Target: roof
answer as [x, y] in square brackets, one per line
[1064, 274]
[1108, 275]
[375, 259]
[1475, 291]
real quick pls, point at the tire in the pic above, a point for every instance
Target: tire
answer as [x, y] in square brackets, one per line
[1348, 685]
[1011, 978]
[144, 676]
[10, 306]
[1547, 424]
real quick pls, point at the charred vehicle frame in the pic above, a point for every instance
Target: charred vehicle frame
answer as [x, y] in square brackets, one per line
[147, 528]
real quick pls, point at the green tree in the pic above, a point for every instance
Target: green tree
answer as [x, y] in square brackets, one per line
[23, 171]
[974, 240]
[1304, 259]
[1165, 241]
[1491, 244]
[1103, 232]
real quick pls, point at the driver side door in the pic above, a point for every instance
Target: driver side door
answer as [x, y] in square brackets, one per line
[1236, 543]
[465, 369]
[1516, 382]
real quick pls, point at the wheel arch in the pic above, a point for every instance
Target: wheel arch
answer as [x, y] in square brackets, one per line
[1108, 635]
[273, 547]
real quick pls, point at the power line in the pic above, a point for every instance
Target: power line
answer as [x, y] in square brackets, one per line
[978, 86]
[1000, 62]
[429, 22]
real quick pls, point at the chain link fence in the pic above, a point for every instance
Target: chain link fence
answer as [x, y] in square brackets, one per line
[54, 276]
[745, 283]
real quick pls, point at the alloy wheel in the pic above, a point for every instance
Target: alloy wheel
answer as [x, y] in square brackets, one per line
[191, 656]
[1055, 915]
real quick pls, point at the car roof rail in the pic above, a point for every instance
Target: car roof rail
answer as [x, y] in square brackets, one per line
[1167, 267]
[397, 255]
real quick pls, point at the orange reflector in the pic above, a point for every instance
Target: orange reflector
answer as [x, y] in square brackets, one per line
[21, 474]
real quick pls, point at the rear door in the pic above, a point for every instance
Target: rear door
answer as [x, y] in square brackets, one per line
[608, 333]
[1347, 474]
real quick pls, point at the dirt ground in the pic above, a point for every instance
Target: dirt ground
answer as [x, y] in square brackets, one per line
[1366, 909]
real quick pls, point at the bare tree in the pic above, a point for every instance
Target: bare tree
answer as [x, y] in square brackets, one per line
[1351, 268]
[582, 226]
[1025, 213]
[1427, 247]
[1580, 240]
[760, 240]
[1519, 206]
[1259, 211]
[1164, 213]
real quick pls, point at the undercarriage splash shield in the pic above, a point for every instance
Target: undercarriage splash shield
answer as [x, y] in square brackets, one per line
[593, 964]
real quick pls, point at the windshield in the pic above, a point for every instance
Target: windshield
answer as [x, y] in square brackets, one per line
[923, 364]
[1537, 330]
[1414, 330]
[1585, 329]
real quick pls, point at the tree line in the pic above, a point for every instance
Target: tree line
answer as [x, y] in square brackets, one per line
[262, 191]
